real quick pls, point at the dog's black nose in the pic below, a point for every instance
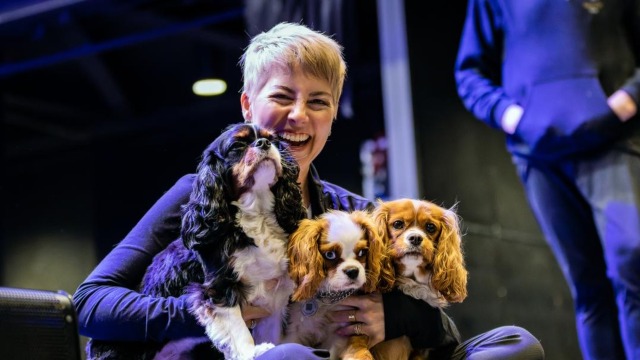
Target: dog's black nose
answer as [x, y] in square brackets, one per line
[263, 144]
[415, 240]
[352, 272]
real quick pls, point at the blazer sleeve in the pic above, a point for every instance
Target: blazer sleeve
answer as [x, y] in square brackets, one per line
[478, 63]
[108, 304]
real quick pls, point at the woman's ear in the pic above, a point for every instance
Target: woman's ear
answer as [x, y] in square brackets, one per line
[246, 107]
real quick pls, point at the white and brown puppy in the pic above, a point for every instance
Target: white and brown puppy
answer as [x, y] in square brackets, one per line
[424, 243]
[330, 258]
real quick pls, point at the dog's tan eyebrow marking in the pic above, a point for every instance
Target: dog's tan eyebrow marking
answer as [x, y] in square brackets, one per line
[362, 244]
[242, 133]
[265, 133]
[328, 246]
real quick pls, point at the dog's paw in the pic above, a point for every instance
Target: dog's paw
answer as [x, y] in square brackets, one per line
[361, 356]
[262, 348]
[357, 354]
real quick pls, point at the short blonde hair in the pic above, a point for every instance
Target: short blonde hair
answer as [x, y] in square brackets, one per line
[288, 45]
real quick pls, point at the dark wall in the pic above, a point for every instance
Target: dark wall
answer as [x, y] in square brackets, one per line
[514, 279]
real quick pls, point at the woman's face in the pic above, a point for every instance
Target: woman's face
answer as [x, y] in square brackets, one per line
[299, 108]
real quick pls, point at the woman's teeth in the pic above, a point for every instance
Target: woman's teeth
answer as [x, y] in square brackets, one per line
[294, 139]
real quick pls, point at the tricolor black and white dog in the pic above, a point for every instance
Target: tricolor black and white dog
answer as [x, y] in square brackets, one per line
[233, 247]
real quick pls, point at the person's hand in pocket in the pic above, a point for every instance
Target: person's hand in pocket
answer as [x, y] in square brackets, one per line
[622, 105]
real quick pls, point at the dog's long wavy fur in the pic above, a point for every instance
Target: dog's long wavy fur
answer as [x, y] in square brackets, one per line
[202, 262]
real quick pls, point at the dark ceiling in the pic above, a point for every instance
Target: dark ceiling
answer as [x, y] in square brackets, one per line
[77, 73]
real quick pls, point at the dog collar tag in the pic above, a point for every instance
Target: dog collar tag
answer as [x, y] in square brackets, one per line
[309, 307]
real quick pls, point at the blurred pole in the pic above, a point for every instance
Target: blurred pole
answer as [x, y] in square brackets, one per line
[397, 100]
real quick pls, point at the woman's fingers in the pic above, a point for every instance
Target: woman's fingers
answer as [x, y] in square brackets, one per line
[365, 317]
[252, 312]
[348, 316]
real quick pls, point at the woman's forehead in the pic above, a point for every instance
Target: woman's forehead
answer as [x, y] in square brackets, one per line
[297, 80]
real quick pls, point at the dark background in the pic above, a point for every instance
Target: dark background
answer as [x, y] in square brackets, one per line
[99, 120]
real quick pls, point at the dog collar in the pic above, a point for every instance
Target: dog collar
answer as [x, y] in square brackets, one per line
[332, 297]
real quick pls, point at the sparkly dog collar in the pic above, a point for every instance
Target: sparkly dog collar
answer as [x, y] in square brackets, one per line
[332, 297]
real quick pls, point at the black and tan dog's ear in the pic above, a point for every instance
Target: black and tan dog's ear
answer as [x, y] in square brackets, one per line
[449, 271]
[208, 210]
[306, 264]
[288, 207]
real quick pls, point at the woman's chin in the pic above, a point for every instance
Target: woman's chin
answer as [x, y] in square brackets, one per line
[302, 156]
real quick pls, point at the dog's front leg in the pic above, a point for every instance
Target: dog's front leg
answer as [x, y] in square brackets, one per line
[357, 348]
[228, 332]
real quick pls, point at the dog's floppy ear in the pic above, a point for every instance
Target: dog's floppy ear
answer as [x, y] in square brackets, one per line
[288, 207]
[449, 272]
[381, 218]
[208, 211]
[380, 274]
[306, 264]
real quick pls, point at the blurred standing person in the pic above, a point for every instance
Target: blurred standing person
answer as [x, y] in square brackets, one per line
[561, 79]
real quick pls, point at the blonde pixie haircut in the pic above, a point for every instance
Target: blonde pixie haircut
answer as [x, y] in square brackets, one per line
[288, 45]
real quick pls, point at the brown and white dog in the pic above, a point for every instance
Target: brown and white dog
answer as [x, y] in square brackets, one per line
[330, 258]
[425, 245]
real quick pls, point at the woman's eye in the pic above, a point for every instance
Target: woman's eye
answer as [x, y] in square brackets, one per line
[398, 224]
[330, 255]
[362, 252]
[319, 102]
[280, 97]
[431, 228]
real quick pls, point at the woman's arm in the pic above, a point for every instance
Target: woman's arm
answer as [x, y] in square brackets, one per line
[108, 303]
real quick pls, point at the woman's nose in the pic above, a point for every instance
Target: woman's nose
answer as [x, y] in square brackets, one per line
[298, 112]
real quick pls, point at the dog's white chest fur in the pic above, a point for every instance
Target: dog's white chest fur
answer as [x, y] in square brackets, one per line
[417, 284]
[412, 269]
[268, 259]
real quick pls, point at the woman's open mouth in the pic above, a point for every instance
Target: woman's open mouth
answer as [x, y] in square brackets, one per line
[294, 139]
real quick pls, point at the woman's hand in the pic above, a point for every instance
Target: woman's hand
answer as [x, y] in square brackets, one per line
[252, 314]
[364, 315]
[622, 105]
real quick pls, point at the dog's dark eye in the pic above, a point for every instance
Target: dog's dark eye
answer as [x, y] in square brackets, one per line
[236, 146]
[398, 224]
[362, 252]
[431, 228]
[330, 255]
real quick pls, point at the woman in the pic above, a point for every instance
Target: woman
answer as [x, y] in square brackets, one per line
[293, 79]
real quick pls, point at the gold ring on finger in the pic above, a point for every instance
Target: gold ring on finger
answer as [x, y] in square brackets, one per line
[352, 317]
